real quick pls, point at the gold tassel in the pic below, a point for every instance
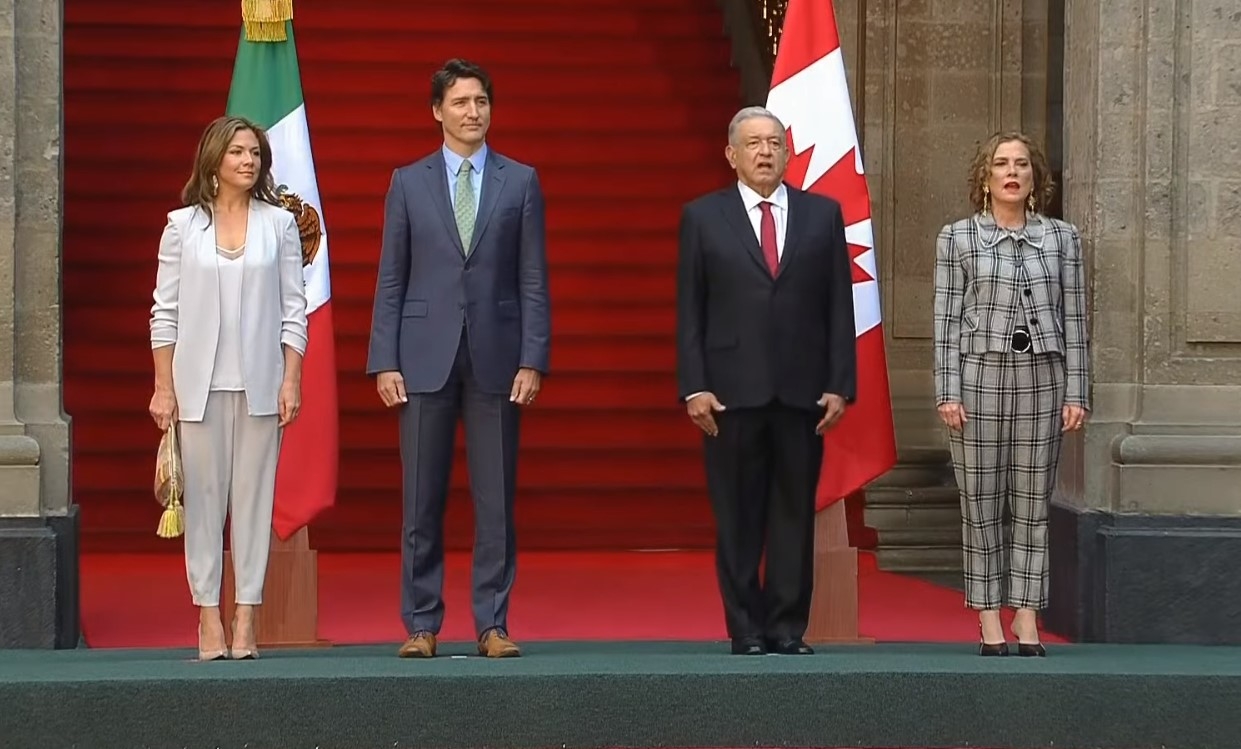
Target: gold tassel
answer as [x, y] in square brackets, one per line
[263, 20]
[172, 522]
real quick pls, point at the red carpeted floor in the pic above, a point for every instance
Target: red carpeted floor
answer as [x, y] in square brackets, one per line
[141, 600]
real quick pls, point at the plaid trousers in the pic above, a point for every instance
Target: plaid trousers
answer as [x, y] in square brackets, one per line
[1005, 458]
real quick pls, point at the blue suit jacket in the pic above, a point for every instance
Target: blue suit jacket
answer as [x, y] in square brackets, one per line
[427, 288]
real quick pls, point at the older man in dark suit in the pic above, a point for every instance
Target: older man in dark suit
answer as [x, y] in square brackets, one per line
[460, 330]
[766, 364]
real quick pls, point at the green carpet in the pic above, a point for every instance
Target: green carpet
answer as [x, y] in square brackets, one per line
[626, 695]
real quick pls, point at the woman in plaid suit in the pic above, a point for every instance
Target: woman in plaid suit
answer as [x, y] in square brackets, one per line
[1011, 376]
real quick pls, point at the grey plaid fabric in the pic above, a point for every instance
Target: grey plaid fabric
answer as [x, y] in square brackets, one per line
[1005, 458]
[989, 280]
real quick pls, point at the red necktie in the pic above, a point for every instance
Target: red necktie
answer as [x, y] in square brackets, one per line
[767, 232]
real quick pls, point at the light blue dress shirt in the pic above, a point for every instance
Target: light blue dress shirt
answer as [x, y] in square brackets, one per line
[452, 163]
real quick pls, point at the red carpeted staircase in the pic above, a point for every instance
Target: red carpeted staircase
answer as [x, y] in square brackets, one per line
[622, 105]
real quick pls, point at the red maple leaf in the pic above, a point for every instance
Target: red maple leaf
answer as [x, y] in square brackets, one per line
[843, 184]
[860, 274]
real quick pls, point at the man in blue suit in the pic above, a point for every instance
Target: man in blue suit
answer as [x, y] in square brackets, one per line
[460, 330]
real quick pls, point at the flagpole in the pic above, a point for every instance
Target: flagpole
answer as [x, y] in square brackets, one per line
[809, 93]
[290, 614]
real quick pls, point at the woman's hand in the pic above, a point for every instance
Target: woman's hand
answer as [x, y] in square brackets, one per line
[163, 407]
[290, 401]
[1074, 417]
[953, 414]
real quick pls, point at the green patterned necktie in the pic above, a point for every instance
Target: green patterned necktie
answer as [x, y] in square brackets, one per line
[464, 209]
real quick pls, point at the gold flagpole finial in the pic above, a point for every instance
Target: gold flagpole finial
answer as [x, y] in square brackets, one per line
[263, 20]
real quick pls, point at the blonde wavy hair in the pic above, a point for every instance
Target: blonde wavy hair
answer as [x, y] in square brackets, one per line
[1044, 187]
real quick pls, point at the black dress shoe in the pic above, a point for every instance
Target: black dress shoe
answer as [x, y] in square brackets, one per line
[791, 646]
[748, 646]
[1031, 651]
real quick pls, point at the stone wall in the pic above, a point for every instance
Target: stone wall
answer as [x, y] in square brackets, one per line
[38, 558]
[1147, 525]
[938, 77]
[930, 80]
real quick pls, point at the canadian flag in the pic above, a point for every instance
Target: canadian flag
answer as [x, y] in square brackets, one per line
[810, 95]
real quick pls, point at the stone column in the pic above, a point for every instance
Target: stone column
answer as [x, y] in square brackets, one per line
[1146, 529]
[38, 522]
[936, 78]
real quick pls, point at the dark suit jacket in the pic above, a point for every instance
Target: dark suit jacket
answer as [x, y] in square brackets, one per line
[427, 288]
[752, 339]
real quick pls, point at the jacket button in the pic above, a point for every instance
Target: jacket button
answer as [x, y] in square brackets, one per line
[1034, 321]
[1027, 292]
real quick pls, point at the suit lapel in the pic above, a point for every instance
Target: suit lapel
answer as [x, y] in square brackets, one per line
[794, 221]
[733, 208]
[437, 184]
[492, 186]
[202, 229]
[201, 243]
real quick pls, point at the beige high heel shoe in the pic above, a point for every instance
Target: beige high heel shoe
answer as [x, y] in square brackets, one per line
[209, 655]
[246, 653]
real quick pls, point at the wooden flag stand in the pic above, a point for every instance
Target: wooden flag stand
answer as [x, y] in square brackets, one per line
[289, 616]
[834, 603]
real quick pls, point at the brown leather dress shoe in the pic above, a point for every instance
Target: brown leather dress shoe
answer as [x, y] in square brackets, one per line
[495, 644]
[419, 645]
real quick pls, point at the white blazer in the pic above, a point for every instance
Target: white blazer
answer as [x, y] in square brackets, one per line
[186, 312]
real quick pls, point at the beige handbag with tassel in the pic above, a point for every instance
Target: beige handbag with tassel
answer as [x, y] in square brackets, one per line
[170, 484]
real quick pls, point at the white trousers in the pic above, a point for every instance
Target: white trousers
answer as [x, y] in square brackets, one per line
[230, 472]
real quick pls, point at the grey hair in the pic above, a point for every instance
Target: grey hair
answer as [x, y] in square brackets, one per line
[749, 113]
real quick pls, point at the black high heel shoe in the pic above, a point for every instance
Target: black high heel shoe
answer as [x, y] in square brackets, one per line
[1031, 651]
[987, 649]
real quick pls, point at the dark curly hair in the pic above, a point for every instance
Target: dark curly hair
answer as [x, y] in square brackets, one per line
[1044, 186]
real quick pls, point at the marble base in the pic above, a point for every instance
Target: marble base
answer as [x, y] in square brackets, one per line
[1144, 578]
[39, 582]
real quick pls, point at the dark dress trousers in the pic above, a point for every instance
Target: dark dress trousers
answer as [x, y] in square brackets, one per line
[768, 347]
[457, 323]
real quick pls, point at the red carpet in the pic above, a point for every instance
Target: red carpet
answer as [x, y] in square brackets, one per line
[141, 600]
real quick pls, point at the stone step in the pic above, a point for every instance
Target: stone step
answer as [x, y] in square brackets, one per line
[912, 509]
[917, 467]
[914, 496]
[916, 510]
[918, 558]
[941, 536]
[906, 518]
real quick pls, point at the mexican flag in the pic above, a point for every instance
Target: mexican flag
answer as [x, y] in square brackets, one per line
[267, 89]
[810, 94]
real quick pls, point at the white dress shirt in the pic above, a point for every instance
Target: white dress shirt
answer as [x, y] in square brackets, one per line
[779, 211]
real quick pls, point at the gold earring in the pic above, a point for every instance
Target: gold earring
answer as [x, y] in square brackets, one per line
[986, 200]
[215, 185]
[1030, 201]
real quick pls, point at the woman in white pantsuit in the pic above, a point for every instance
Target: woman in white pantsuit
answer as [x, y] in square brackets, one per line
[228, 330]
[1011, 376]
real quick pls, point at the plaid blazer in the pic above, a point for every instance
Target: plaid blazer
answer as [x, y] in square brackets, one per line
[990, 280]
